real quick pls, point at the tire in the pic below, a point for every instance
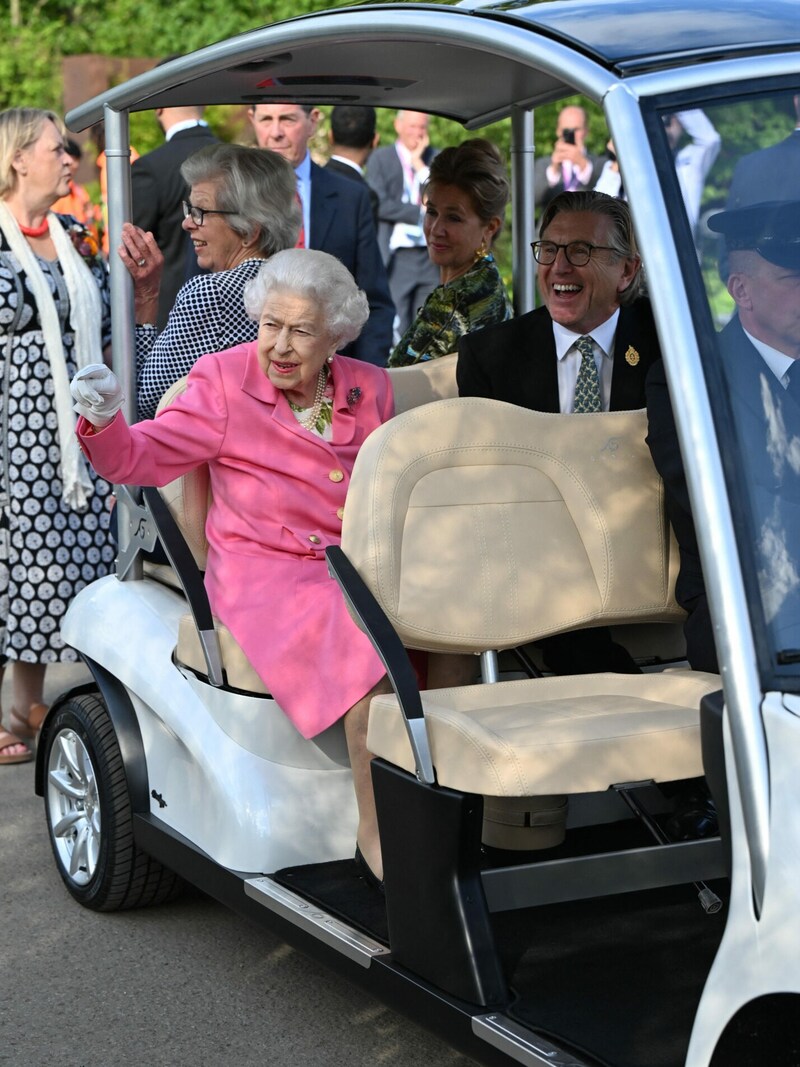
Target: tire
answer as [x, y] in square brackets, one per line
[89, 815]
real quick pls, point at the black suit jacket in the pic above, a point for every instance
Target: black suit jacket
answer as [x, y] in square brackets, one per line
[759, 402]
[342, 224]
[516, 361]
[158, 189]
[346, 171]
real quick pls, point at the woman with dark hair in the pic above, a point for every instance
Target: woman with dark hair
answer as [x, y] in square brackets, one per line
[241, 208]
[465, 200]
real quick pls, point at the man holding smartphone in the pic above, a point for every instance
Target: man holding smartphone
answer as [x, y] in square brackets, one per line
[570, 168]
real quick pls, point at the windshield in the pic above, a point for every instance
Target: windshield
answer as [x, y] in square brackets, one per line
[737, 165]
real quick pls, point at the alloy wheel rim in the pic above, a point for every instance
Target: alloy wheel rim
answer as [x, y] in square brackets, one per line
[73, 807]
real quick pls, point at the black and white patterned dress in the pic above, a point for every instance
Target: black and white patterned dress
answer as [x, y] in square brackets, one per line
[48, 552]
[208, 316]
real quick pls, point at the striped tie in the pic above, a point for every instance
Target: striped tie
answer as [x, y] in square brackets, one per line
[587, 387]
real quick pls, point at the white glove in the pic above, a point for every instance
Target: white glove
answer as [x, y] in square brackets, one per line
[97, 394]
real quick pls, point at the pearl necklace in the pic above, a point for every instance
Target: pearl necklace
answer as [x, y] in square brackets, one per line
[309, 421]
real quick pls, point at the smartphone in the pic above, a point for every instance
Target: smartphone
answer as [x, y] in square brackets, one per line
[568, 136]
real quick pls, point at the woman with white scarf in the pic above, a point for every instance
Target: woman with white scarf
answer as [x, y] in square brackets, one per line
[54, 319]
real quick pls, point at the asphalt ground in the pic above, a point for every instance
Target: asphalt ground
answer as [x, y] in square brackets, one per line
[187, 983]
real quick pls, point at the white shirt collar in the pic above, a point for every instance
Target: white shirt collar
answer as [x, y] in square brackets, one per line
[602, 335]
[303, 169]
[179, 127]
[349, 162]
[777, 361]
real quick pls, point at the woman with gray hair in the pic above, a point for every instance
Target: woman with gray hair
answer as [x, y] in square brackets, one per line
[279, 421]
[241, 208]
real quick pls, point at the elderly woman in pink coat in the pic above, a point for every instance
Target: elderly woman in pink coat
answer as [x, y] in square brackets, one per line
[279, 422]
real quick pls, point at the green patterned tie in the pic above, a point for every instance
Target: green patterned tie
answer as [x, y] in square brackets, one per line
[587, 387]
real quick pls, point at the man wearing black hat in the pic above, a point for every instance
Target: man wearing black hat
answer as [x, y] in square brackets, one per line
[760, 350]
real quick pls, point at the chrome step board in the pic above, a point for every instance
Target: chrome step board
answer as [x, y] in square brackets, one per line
[358, 947]
[520, 1043]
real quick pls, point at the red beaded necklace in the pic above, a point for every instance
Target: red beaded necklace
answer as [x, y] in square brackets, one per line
[35, 231]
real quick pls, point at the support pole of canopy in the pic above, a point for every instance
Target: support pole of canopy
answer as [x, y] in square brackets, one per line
[523, 199]
[118, 162]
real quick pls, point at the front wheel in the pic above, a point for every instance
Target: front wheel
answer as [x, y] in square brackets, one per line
[89, 814]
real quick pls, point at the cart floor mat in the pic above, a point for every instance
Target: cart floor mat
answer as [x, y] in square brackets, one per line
[619, 975]
[339, 888]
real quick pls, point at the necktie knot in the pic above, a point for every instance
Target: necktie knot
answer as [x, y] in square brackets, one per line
[793, 374]
[587, 387]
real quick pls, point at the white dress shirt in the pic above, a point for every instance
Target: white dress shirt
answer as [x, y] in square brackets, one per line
[569, 361]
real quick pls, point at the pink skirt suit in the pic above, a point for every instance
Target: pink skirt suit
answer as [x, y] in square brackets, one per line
[278, 498]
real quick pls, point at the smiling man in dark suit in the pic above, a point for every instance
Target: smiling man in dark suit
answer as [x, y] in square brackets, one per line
[587, 349]
[590, 283]
[337, 217]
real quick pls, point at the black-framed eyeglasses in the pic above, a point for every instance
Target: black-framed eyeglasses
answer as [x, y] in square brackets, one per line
[198, 214]
[578, 253]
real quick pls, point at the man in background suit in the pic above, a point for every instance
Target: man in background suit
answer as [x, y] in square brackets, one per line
[352, 138]
[587, 349]
[158, 191]
[337, 217]
[760, 351]
[569, 168]
[397, 174]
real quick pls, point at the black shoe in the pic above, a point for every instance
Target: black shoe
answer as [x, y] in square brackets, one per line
[695, 817]
[367, 873]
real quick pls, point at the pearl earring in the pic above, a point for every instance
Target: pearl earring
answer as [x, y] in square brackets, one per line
[330, 359]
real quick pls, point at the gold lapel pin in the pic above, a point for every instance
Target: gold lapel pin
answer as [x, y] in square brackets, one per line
[631, 356]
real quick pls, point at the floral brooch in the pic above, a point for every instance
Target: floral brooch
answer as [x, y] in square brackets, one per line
[353, 397]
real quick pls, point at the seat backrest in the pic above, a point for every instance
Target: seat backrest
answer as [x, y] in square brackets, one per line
[189, 497]
[482, 525]
[421, 383]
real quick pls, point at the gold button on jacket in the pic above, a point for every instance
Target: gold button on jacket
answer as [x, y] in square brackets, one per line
[336, 475]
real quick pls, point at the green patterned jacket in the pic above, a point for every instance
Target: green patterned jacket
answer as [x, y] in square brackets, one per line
[476, 299]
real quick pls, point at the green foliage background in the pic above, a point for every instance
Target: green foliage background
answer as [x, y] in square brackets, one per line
[37, 34]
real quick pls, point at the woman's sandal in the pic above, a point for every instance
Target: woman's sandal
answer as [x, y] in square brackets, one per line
[7, 740]
[28, 727]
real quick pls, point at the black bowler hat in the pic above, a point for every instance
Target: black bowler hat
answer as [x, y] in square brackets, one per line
[772, 229]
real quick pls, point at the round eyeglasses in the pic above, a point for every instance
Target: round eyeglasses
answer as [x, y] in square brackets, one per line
[578, 253]
[198, 214]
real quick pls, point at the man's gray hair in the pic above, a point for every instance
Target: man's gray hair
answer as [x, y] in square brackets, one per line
[622, 238]
[259, 187]
[317, 276]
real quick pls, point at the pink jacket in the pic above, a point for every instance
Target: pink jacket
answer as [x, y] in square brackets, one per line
[278, 499]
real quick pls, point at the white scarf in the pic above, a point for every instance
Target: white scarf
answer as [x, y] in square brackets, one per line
[85, 312]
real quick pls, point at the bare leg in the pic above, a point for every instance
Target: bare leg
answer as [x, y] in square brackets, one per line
[18, 749]
[28, 683]
[355, 728]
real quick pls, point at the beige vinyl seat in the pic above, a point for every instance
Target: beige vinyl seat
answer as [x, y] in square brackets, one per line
[477, 525]
[188, 499]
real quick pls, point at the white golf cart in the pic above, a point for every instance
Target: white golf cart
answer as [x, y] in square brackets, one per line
[540, 907]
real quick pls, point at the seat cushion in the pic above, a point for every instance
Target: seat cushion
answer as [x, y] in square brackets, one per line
[238, 671]
[568, 734]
